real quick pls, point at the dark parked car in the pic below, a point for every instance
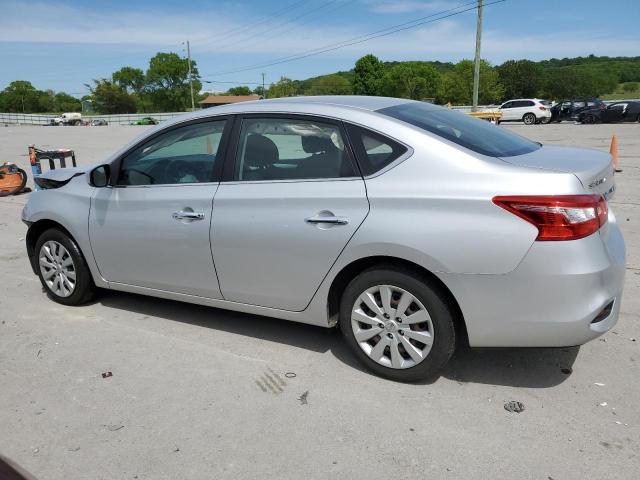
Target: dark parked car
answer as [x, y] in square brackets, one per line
[615, 112]
[570, 109]
[145, 121]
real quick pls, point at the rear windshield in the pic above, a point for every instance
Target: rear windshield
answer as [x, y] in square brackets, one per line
[457, 127]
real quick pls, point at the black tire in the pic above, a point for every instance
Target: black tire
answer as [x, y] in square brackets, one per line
[84, 290]
[429, 294]
[545, 120]
[589, 119]
[529, 119]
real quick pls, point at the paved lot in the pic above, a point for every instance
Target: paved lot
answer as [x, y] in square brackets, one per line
[183, 401]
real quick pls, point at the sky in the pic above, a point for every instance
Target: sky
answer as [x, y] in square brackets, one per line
[63, 45]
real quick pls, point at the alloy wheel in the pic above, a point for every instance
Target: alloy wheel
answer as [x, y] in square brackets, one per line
[392, 326]
[57, 268]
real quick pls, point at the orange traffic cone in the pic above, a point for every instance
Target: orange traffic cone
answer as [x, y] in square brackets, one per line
[614, 154]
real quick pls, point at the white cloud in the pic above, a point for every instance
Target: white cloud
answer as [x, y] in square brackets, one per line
[157, 30]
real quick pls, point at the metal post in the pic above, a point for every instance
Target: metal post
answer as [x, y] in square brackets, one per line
[264, 92]
[193, 105]
[476, 66]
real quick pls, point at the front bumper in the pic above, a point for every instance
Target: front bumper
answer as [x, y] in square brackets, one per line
[554, 298]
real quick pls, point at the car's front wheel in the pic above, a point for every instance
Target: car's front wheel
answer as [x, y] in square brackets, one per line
[398, 323]
[62, 269]
[529, 119]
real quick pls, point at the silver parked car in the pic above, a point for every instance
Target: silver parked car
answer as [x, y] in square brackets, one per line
[408, 225]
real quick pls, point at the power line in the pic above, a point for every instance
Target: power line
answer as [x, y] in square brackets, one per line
[262, 39]
[362, 38]
[276, 27]
[235, 31]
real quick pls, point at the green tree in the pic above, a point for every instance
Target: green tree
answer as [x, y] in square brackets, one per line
[367, 75]
[457, 85]
[129, 78]
[282, 88]
[415, 80]
[241, 90]
[578, 81]
[21, 97]
[521, 78]
[330, 85]
[630, 87]
[168, 82]
[110, 98]
[63, 102]
[259, 91]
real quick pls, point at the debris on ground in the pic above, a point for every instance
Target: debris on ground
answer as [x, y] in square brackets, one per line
[603, 404]
[513, 406]
[598, 384]
[566, 371]
[107, 374]
[73, 449]
[113, 428]
[303, 398]
[290, 375]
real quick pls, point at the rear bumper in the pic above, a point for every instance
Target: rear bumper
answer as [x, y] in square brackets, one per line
[561, 294]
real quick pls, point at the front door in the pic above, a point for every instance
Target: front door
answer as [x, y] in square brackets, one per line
[294, 201]
[152, 227]
[507, 111]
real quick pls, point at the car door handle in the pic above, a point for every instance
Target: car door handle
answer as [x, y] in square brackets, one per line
[184, 215]
[329, 219]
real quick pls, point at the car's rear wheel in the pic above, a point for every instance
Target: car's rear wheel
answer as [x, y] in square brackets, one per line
[589, 119]
[398, 323]
[62, 269]
[529, 119]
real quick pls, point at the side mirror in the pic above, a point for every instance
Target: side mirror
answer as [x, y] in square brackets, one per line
[99, 176]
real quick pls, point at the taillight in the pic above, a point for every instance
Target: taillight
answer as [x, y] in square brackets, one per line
[541, 107]
[558, 217]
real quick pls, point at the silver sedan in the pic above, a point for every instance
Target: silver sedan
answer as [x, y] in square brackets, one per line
[411, 227]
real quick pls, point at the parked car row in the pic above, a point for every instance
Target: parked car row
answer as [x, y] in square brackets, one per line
[532, 111]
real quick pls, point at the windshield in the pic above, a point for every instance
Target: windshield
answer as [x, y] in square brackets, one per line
[462, 129]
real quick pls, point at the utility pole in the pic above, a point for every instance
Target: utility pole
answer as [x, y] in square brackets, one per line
[264, 92]
[476, 65]
[193, 105]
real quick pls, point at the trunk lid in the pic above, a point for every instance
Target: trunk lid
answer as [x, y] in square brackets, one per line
[593, 168]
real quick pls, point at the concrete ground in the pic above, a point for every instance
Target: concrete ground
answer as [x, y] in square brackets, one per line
[187, 398]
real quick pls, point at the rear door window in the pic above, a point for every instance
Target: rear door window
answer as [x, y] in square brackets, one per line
[291, 149]
[373, 150]
[457, 127]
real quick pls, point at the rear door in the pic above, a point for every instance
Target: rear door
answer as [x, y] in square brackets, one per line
[290, 201]
[151, 227]
[521, 108]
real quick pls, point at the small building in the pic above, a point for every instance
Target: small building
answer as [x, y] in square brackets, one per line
[217, 100]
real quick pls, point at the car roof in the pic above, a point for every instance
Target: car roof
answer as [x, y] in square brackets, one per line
[350, 101]
[329, 104]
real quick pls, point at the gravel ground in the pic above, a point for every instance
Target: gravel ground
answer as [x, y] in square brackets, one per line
[185, 401]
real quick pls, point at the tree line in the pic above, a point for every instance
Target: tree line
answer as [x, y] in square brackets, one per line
[453, 83]
[164, 85]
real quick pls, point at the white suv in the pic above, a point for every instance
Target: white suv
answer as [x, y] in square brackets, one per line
[527, 110]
